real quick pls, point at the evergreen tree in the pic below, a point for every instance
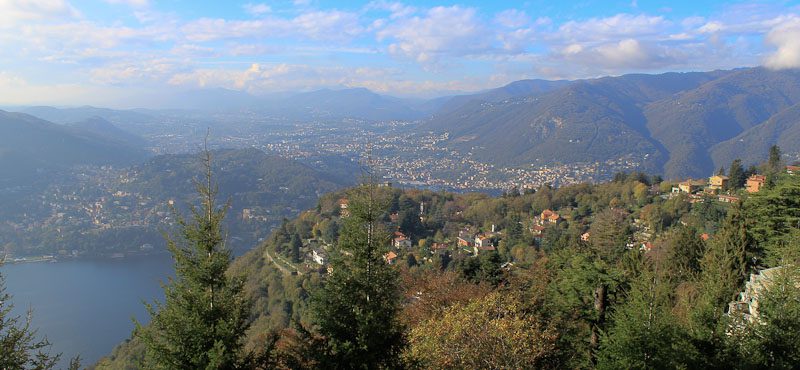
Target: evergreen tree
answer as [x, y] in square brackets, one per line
[772, 339]
[296, 245]
[410, 223]
[736, 175]
[355, 309]
[645, 333]
[774, 213]
[514, 231]
[775, 164]
[579, 295]
[684, 251]
[19, 347]
[202, 323]
[723, 269]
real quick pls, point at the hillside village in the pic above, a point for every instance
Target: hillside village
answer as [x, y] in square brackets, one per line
[461, 238]
[547, 250]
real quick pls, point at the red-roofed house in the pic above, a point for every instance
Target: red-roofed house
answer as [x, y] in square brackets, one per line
[401, 240]
[548, 216]
[390, 257]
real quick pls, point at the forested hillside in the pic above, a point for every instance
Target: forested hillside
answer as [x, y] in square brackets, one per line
[113, 211]
[676, 124]
[32, 149]
[625, 274]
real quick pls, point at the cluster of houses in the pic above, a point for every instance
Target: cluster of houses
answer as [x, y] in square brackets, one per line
[696, 189]
[476, 242]
[699, 189]
[540, 223]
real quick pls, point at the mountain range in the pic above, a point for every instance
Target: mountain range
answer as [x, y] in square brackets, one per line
[676, 124]
[31, 147]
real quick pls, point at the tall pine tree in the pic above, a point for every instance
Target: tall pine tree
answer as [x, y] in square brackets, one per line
[775, 164]
[202, 323]
[723, 269]
[645, 334]
[736, 175]
[355, 309]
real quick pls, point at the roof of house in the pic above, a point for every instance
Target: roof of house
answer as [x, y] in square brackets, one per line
[548, 213]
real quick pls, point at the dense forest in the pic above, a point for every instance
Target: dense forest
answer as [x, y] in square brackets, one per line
[632, 273]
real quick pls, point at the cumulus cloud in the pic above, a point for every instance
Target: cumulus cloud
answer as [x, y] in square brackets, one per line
[786, 38]
[442, 31]
[618, 56]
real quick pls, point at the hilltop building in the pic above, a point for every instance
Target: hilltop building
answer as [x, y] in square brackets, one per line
[690, 186]
[718, 182]
[549, 216]
[755, 183]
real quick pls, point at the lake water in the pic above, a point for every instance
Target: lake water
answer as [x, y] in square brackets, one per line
[85, 306]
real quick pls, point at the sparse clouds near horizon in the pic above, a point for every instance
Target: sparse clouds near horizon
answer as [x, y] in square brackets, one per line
[396, 47]
[786, 38]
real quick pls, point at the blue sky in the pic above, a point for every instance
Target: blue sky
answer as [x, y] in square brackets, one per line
[127, 53]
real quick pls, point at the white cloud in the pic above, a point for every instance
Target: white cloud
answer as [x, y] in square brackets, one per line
[712, 27]
[16, 11]
[316, 25]
[512, 18]
[131, 3]
[786, 37]
[141, 71]
[257, 9]
[623, 55]
[442, 31]
[396, 10]
[615, 27]
[260, 78]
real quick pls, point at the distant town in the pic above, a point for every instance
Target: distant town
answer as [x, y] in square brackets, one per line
[393, 149]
